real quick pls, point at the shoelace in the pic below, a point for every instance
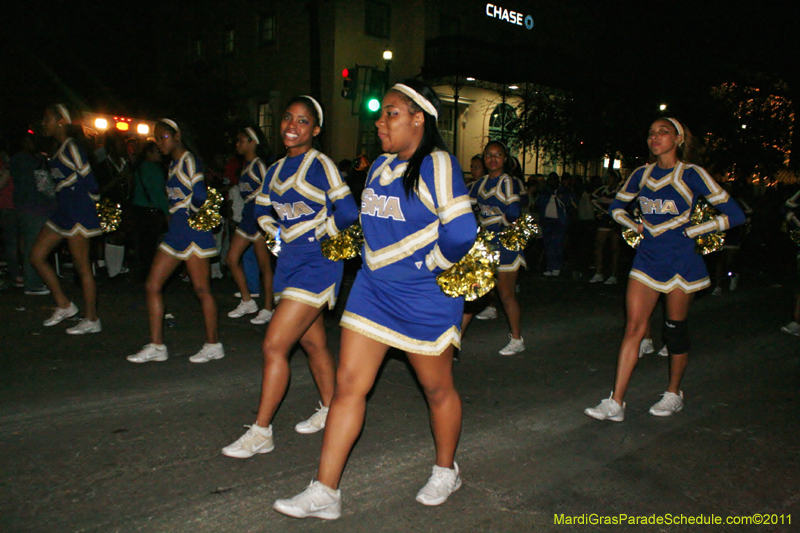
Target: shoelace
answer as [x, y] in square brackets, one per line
[318, 416]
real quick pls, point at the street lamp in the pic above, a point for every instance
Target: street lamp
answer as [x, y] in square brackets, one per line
[663, 107]
[387, 60]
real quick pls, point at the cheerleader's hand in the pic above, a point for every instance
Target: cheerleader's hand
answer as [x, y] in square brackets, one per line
[639, 228]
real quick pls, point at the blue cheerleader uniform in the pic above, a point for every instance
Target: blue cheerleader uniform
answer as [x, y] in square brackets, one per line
[186, 191]
[408, 240]
[304, 198]
[498, 203]
[250, 186]
[76, 193]
[602, 199]
[666, 259]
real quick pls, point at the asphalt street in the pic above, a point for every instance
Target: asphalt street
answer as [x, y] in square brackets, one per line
[92, 443]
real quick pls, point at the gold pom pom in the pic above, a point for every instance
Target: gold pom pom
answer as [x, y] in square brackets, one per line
[345, 245]
[110, 215]
[631, 236]
[208, 217]
[273, 244]
[710, 242]
[515, 238]
[473, 276]
[795, 236]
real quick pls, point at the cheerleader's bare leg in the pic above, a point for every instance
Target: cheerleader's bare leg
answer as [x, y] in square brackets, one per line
[506, 290]
[678, 303]
[289, 324]
[640, 302]
[162, 268]
[360, 358]
[435, 374]
[263, 257]
[79, 250]
[234, 261]
[199, 269]
[46, 242]
[320, 359]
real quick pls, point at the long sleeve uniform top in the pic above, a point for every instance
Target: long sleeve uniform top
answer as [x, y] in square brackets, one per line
[305, 199]
[415, 236]
[497, 201]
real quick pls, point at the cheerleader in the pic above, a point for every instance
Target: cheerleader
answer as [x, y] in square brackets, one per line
[186, 191]
[75, 219]
[608, 229]
[497, 199]
[665, 261]
[310, 202]
[252, 145]
[417, 222]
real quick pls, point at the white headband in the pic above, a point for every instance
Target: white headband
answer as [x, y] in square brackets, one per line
[316, 106]
[64, 113]
[171, 124]
[417, 98]
[678, 128]
[252, 134]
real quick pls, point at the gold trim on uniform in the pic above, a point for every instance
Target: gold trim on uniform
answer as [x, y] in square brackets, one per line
[454, 209]
[76, 229]
[435, 258]
[376, 259]
[675, 282]
[387, 336]
[192, 249]
[309, 298]
[516, 265]
[247, 236]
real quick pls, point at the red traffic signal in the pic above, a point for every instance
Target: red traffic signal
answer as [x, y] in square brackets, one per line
[350, 83]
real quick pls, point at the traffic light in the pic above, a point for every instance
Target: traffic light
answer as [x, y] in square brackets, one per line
[374, 91]
[350, 83]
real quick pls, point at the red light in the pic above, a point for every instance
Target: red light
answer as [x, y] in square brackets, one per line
[346, 73]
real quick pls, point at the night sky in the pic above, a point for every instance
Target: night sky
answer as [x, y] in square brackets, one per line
[108, 54]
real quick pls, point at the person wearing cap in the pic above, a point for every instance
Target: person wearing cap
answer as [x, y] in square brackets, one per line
[417, 222]
[666, 261]
[186, 191]
[75, 220]
[303, 201]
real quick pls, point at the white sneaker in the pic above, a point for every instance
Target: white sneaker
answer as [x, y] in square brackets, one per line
[513, 346]
[597, 278]
[608, 409]
[263, 316]
[646, 347]
[490, 313]
[669, 404]
[86, 326]
[314, 423]
[663, 352]
[717, 291]
[792, 328]
[216, 271]
[244, 308]
[734, 282]
[552, 273]
[151, 352]
[255, 440]
[61, 314]
[317, 500]
[238, 294]
[612, 280]
[207, 353]
[442, 483]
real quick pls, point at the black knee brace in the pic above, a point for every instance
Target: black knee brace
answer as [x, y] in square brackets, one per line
[676, 336]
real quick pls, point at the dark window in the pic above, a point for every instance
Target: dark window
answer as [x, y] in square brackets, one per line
[197, 50]
[227, 40]
[449, 26]
[266, 121]
[378, 19]
[266, 29]
[503, 124]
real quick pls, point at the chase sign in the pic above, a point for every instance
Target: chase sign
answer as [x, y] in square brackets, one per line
[507, 15]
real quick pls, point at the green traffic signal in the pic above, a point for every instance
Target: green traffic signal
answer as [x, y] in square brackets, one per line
[373, 104]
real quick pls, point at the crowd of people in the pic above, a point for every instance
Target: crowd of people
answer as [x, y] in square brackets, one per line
[419, 215]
